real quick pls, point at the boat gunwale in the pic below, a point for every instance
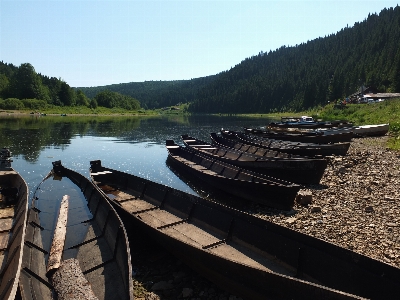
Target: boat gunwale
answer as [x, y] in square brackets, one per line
[327, 249]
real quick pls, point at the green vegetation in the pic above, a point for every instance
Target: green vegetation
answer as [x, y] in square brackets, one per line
[359, 114]
[22, 88]
[156, 94]
[290, 78]
[311, 74]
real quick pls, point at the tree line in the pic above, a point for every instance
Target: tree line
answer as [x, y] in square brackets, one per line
[287, 79]
[290, 78]
[21, 87]
[313, 73]
[156, 94]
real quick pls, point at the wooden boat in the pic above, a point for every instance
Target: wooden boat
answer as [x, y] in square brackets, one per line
[285, 166]
[246, 184]
[305, 149]
[95, 237]
[360, 131]
[248, 256]
[305, 122]
[13, 214]
[316, 137]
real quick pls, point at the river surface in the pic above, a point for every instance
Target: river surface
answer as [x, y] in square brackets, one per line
[135, 145]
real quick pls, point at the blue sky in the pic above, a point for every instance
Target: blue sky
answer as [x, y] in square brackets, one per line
[93, 43]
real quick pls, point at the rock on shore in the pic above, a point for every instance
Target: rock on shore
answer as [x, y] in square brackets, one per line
[356, 205]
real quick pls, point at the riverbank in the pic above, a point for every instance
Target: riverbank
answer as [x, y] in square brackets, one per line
[355, 206]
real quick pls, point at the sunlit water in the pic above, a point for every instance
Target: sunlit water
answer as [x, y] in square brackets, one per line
[130, 144]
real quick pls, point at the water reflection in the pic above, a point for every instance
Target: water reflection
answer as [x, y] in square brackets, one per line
[131, 144]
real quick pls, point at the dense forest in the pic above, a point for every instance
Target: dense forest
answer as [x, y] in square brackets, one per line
[156, 94]
[22, 88]
[290, 78]
[313, 73]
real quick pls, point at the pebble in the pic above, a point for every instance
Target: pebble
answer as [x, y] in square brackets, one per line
[359, 199]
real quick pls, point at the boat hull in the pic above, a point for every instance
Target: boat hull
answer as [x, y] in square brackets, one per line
[95, 236]
[316, 138]
[305, 149]
[296, 169]
[248, 256]
[13, 229]
[361, 131]
[239, 182]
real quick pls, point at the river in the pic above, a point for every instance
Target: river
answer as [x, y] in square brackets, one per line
[134, 145]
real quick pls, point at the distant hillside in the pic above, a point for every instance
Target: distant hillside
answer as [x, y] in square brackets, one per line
[156, 94]
[312, 73]
[289, 78]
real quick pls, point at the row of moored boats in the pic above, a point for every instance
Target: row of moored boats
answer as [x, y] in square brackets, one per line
[76, 245]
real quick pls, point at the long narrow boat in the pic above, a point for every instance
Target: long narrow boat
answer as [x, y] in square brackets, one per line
[360, 131]
[251, 257]
[305, 149]
[316, 137]
[305, 122]
[95, 237]
[13, 214]
[246, 184]
[285, 166]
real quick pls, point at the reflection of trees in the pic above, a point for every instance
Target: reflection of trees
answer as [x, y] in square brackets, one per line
[27, 136]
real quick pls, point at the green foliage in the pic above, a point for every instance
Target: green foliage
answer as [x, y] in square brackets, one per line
[4, 84]
[360, 114]
[111, 99]
[395, 127]
[81, 99]
[24, 83]
[93, 103]
[34, 104]
[11, 103]
[311, 74]
[394, 143]
[156, 94]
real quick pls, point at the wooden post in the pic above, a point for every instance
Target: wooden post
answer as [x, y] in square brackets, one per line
[57, 246]
[66, 276]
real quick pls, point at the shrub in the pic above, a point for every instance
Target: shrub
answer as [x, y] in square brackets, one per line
[34, 104]
[12, 103]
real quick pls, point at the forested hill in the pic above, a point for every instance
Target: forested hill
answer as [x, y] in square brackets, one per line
[295, 78]
[289, 78]
[312, 73]
[156, 94]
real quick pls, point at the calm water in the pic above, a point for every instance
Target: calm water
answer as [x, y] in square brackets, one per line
[130, 144]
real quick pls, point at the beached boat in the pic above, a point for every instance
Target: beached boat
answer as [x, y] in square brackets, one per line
[305, 149]
[240, 182]
[13, 214]
[92, 236]
[316, 137]
[285, 166]
[359, 131]
[248, 256]
[306, 122]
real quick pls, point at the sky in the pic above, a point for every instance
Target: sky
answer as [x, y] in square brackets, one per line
[94, 43]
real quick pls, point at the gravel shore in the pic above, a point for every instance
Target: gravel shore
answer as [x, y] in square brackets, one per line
[356, 205]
